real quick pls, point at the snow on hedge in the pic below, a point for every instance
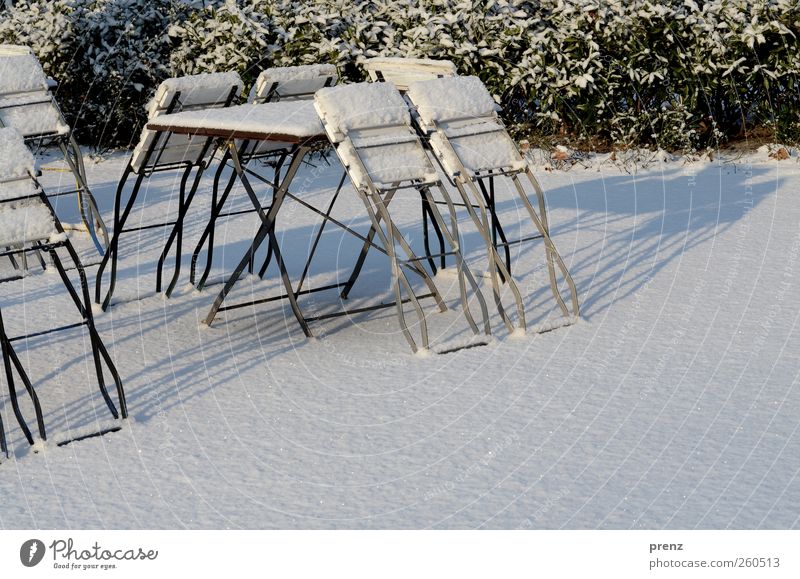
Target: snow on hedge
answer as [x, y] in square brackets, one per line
[678, 74]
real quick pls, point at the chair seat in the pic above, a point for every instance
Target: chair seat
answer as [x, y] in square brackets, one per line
[33, 114]
[478, 151]
[387, 162]
[26, 222]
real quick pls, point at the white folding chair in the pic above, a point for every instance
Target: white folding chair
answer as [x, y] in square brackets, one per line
[162, 151]
[28, 105]
[288, 83]
[403, 71]
[459, 116]
[28, 223]
[370, 127]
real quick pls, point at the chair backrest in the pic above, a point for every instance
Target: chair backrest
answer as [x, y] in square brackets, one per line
[25, 99]
[371, 127]
[24, 217]
[292, 82]
[404, 71]
[465, 131]
[174, 95]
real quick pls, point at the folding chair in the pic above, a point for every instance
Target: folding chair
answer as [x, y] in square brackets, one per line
[472, 145]
[401, 72]
[279, 84]
[27, 104]
[404, 71]
[28, 223]
[370, 127]
[163, 151]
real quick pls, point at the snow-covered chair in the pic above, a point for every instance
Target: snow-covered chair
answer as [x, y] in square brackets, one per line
[403, 71]
[292, 82]
[459, 116]
[163, 151]
[28, 223]
[28, 105]
[370, 127]
[288, 83]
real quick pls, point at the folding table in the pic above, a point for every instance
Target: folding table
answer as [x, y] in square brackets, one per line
[295, 124]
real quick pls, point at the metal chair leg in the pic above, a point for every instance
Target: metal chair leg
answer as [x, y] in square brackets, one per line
[208, 233]
[553, 257]
[496, 266]
[375, 206]
[111, 253]
[10, 360]
[464, 274]
[176, 234]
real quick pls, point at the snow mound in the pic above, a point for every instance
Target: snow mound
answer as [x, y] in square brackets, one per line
[553, 324]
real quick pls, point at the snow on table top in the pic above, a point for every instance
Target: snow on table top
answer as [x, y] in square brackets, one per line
[206, 88]
[16, 159]
[296, 119]
[443, 99]
[361, 105]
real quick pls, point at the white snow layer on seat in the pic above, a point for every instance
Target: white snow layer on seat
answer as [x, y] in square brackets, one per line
[19, 187]
[376, 119]
[21, 73]
[465, 112]
[477, 151]
[360, 106]
[293, 81]
[200, 89]
[25, 100]
[443, 99]
[16, 159]
[295, 118]
[25, 222]
[388, 158]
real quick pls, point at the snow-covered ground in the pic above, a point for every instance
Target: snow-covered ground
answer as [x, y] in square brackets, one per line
[672, 403]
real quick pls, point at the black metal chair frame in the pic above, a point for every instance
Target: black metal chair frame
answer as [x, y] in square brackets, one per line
[274, 158]
[149, 166]
[66, 143]
[82, 301]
